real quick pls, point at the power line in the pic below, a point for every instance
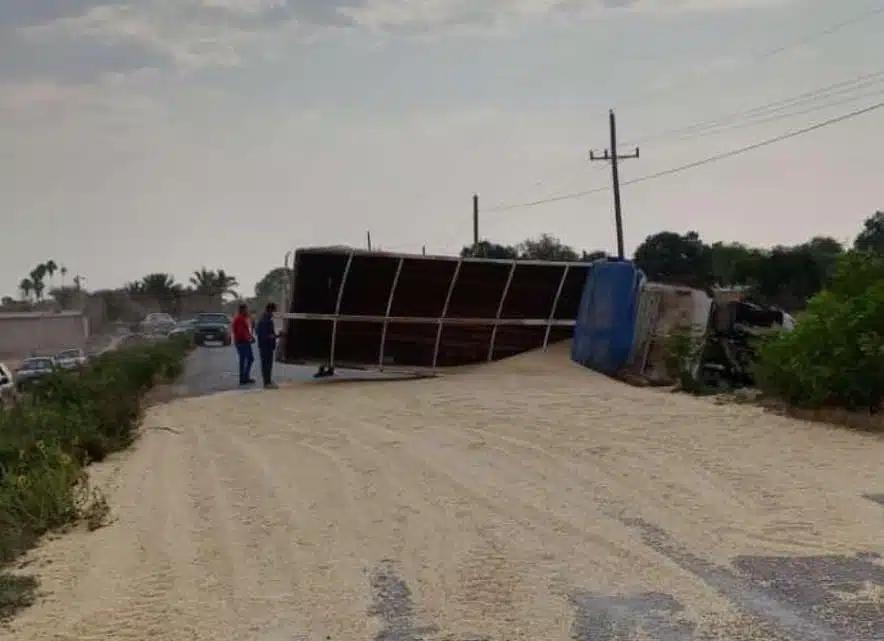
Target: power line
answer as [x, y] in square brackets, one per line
[828, 91]
[758, 145]
[763, 55]
[791, 114]
[504, 205]
[708, 160]
[759, 57]
[574, 195]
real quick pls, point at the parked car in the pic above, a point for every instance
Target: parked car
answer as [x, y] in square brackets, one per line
[33, 369]
[212, 327]
[73, 358]
[184, 327]
[158, 323]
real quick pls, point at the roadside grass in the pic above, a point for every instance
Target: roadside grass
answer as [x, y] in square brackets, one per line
[51, 435]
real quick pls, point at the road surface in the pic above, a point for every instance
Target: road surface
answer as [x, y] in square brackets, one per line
[526, 500]
[214, 369]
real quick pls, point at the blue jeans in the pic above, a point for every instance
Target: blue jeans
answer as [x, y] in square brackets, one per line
[246, 359]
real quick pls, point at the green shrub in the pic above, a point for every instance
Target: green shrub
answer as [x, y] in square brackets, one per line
[835, 355]
[70, 420]
[682, 349]
[36, 495]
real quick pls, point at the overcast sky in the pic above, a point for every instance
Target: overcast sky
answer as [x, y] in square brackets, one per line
[164, 135]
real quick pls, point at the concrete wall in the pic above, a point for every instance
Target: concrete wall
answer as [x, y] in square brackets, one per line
[42, 332]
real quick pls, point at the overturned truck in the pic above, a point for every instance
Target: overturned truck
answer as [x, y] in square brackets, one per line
[374, 310]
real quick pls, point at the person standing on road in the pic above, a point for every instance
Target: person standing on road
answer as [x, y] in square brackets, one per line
[266, 334]
[243, 339]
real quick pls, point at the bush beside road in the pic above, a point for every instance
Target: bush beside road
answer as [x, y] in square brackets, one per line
[48, 439]
[834, 358]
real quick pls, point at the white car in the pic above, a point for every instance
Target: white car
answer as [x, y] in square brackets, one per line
[158, 323]
[6, 379]
[7, 386]
[71, 358]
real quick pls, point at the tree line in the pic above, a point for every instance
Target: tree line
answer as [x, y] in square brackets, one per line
[785, 276]
[33, 288]
[160, 291]
[212, 282]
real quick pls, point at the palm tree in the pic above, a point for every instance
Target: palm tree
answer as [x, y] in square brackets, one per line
[51, 268]
[64, 272]
[26, 286]
[215, 283]
[37, 275]
[204, 280]
[226, 283]
[159, 285]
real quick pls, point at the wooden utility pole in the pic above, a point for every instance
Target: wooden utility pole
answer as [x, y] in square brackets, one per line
[475, 224]
[610, 155]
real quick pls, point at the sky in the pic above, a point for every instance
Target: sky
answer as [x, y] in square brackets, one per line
[167, 135]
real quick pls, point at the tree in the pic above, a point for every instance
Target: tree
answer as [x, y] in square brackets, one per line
[159, 285]
[51, 267]
[547, 247]
[274, 284]
[487, 249]
[733, 264]
[134, 288]
[789, 276]
[871, 238]
[37, 285]
[64, 272]
[26, 286]
[833, 356]
[544, 247]
[117, 304]
[827, 252]
[64, 296]
[676, 259]
[203, 279]
[226, 283]
[216, 283]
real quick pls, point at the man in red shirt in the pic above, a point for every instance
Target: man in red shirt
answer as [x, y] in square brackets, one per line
[243, 339]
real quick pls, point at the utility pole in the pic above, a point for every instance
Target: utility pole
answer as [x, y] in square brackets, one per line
[475, 224]
[610, 155]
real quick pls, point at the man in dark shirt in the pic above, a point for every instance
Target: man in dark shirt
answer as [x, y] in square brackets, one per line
[243, 339]
[266, 334]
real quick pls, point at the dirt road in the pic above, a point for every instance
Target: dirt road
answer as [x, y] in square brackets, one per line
[530, 499]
